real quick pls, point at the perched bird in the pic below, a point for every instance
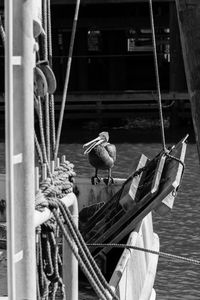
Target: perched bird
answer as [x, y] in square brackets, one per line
[102, 155]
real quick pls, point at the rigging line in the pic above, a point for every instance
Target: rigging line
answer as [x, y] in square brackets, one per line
[2, 32]
[160, 253]
[157, 74]
[67, 76]
[45, 57]
[52, 112]
[49, 33]
[44, 24]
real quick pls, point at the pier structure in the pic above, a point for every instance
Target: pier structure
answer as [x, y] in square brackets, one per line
[112, 70]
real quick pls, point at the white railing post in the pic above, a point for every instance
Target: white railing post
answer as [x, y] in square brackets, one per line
[70, 263]
[20, 185]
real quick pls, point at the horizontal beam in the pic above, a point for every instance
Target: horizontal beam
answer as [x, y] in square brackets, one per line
[121, 96]
[106, 1]
[59, 2]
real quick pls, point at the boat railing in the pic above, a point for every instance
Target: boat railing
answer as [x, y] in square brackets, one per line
[70, 263]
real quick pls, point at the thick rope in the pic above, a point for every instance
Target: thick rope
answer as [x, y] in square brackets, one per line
[52, 109]
[45, 57]
[67, 77]
[43, 282]
[44, 23]
[39, 150]
[44, 149]
[52, 119]
[160, 253]
[2, 32]
[49, 34]
[157, 75]
[101, 294]
[84, 252]
[47, 123]
[74, 230]
[97, 285]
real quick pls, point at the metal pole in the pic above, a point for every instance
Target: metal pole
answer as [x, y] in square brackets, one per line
[20, 150]
[9, 148]
[67, 77]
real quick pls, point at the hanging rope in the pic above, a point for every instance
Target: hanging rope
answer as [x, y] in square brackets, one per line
[157, 75]
[51, 103]
[67, 77]
[2, 32]
[81, 256]
[38, 149]
[49, 34]
[45, 57]
[44, 150]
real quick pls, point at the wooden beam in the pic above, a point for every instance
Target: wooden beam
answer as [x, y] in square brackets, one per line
[58, 2]
[189, 25]
[105, 1]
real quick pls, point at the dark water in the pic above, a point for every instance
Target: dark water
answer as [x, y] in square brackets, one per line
[179, 232]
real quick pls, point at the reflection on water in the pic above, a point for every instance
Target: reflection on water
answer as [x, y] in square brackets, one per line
[179, 232]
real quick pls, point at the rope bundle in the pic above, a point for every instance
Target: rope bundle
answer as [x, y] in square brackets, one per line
[83, 255]
[49, 262]
[49, 259]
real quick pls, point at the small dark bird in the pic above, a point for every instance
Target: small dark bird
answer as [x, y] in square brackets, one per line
[102, 155]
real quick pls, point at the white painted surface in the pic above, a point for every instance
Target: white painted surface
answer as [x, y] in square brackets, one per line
[134, 275]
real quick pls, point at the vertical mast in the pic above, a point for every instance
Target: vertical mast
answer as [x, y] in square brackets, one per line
[19, 54]
[189, 23]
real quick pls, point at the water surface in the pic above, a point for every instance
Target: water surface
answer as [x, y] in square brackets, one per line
[179, 232]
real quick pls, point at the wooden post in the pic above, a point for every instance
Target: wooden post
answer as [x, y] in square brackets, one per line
[189, 24]
[20, 187]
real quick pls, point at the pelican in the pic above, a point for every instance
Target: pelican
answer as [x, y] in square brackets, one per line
[102, 155]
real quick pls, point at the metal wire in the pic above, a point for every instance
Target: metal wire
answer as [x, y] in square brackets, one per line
[157, 74]
[67, 76]
[160, 253]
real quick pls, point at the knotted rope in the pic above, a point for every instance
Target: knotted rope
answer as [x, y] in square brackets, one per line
[49, 197]
[49, 263]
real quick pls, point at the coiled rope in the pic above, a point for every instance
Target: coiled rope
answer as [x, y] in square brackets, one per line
[85, 259]
[49, 263]
[160, 253]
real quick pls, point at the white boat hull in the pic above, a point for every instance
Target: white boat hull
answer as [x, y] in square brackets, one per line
[135, 272]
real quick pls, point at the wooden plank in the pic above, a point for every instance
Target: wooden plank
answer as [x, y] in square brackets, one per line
[121, 96]
[114, 214]
[114, 96]
[172, 172]
[112, 202]
[170, 181]
[105, 1]
[132, 196]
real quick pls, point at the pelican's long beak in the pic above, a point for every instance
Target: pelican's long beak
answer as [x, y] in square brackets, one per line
[92, 144]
